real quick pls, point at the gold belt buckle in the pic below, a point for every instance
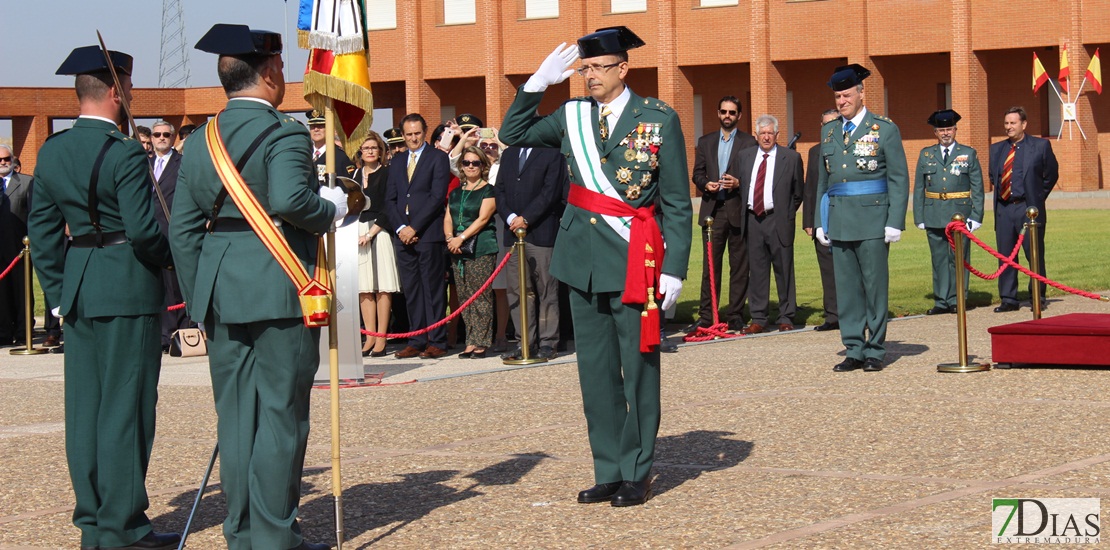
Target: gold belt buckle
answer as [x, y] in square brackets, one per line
[943, 196]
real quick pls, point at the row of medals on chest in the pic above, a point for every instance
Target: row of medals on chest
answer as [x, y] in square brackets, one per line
[644, 147]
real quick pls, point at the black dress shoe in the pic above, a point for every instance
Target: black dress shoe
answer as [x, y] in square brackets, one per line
[546, 352]
[601, 492]
[938, 310]
[155, 541]
[834, 325]
[381, 353]
[305, 545]
[466, 354]
[1006, 307]
[90, 548]
[667, 346]
[478, 354]
[514, 355]
[873, 364]
[849, 364]
[632, 493]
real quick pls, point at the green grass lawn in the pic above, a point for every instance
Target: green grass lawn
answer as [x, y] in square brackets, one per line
[1075, 241]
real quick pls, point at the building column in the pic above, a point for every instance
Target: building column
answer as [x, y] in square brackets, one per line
[969, 85]
[675, 87]
[856, 50]
[499, 91]
[29, 133]
[419, 96]
[768, 87]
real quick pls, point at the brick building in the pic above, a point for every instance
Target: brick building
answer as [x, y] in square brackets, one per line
[443, 57]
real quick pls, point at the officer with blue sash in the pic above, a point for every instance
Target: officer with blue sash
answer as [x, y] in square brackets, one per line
[863, 185]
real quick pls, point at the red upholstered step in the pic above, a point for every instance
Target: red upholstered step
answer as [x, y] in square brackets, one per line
[1072, 339]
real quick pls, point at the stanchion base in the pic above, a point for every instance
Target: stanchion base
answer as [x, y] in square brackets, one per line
[529, 361]
[29, 351]
[956, 367]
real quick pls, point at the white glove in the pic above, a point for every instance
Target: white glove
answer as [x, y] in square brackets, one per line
[201, 327]
[892, 235]
[554, 69]
[56, 312]
[670, 287]
[821, 238]
[336, 196]
[972, 225]
[921, 226]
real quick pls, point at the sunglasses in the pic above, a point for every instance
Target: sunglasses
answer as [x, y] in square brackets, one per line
[728, 112]
[471, 163]
[490, 146]
[161, 134]
[5, 159]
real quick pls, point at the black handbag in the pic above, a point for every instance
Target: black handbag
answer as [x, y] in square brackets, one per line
[467, 246]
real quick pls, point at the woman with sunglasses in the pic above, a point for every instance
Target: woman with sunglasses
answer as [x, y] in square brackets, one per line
[470, 208]
[377, 261]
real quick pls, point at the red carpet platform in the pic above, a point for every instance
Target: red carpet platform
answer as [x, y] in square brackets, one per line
[1071, 339]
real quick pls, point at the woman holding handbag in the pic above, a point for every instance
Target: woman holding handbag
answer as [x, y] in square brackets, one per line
[472, 241]
[377, 261]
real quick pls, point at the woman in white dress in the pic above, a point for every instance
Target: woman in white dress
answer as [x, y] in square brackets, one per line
[377, 261]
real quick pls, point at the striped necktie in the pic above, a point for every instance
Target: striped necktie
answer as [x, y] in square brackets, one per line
[760, 189]
[849, 127]
[1007, 174]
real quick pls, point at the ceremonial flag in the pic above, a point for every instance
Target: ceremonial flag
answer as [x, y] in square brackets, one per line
[334, 31]
[1065, 72]
[1094, 73]
[1039, 74]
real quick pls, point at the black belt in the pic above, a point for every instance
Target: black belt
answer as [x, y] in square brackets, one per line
[764, 214]
[1012, 200]
[110, 238]
[232, 225]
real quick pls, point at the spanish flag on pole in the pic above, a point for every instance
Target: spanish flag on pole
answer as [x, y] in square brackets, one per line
[1094, 73]
[1039, 74]
[334, 32]
[1065, 72]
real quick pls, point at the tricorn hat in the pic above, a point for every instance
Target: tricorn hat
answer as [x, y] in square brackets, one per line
[468, 121]
[847, 76]
[608, 41]
[90, 59]
[945, 118]
[224, 39]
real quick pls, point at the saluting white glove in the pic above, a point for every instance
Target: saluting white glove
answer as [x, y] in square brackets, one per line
[821, 238]
[972, 225]
[336, 196]
[921, 226]
[670, 287]
[892, 235]
[554, 69]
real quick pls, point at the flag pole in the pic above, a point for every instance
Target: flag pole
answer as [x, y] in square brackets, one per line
[333, 335]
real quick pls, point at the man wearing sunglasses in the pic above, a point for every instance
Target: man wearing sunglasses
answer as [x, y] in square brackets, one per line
[165, 163]
[628, 194]
[14, 195]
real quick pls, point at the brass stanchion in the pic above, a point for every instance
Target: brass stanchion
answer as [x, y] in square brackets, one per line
[961, 310]
[1034, 258]
[522, 272]
[29, 316]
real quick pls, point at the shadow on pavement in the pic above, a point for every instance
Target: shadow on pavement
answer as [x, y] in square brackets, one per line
[691, 454]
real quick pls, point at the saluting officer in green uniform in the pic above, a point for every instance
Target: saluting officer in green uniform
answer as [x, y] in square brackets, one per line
[949, 180]
[864, 190]
[97, 181]
[627, 159]
[262, 357]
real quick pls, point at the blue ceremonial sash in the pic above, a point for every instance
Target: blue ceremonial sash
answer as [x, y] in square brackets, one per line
[847, 189]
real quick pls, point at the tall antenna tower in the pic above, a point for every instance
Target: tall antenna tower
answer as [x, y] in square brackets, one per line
[173, 64]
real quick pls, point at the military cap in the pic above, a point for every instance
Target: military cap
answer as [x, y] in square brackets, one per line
[468, 121]
[847, 76]
[224, 39]
[393, 136]
[315, 117]
[608, 41]
[90, 59]
[945, 118]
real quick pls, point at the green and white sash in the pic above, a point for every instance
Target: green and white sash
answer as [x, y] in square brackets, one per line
[580, 131]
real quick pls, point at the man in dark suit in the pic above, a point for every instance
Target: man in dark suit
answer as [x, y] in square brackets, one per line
[716, 176]
[416, 203]
[771, 184]
[531, 191]
[166, 163]
[824, 253]
[15, 190]
[1023, 171]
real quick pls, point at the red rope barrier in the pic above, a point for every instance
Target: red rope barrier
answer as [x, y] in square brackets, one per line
[453, 314]
[974, 239]
[1009, 262]
[717, 329]
[176, 307]
[12, 265]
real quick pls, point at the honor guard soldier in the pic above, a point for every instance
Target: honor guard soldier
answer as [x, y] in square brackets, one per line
[949, 180]
[317, 131]
[628, 194]
[863, 189]
[394, 143]
[262, 356]
[97, 181]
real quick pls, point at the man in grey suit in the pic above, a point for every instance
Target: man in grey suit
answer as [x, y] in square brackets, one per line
[771, 180]
[715, 175]
[14, 192]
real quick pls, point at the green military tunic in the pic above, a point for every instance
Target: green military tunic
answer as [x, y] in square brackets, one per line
[961, 175]
[261, 356]
[855, 223]
[620, 385]
[111, 298]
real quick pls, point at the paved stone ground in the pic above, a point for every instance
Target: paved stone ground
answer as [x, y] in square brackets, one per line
[761, 446]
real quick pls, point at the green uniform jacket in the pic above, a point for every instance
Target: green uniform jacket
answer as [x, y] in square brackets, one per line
[589, 255]
[961, 174]
[874, 152]
[118, 280]
[233, 272]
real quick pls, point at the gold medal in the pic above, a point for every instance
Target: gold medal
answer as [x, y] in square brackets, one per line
[645, 180]
[653, 161]
[633, 192]
[624, 175]
[629, 155]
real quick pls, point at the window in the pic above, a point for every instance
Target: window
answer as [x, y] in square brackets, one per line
[541, 9]
[627, 6]
[716, 3]
[458, 12]
[381, 14]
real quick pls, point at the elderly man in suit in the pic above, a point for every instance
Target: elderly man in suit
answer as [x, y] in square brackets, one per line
[15, 189]
[628, 195]
[1023, 171]
[716, 175]
[771, 181]
[824, 253]
[166, 163]
[948, 180]
[863, 186]
[416, 203]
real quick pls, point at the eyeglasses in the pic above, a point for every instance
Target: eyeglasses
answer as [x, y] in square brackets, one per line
[161, 134]
[5, 159]
[598, 69]
[368, 149]
[471, 163]
[728, 112]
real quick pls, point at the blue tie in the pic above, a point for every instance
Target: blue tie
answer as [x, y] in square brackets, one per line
[848, 128]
